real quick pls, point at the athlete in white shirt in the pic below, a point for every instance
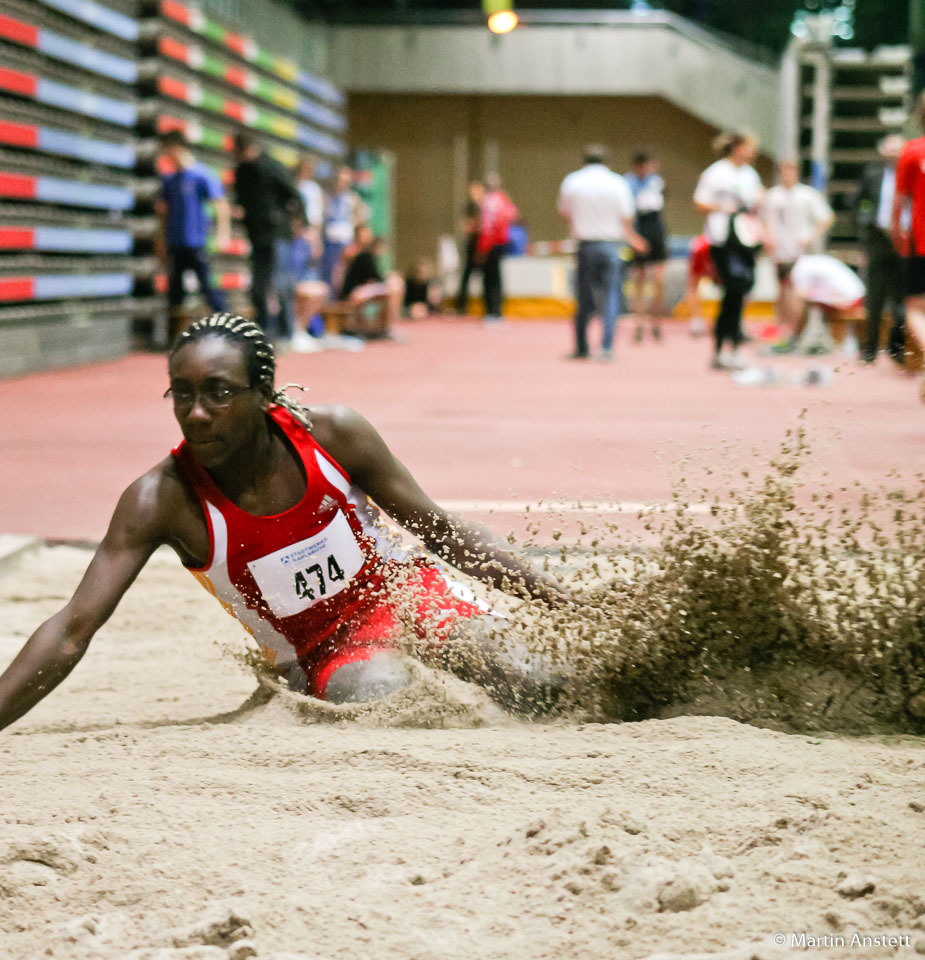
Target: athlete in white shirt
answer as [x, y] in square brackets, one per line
[728, 189]
[599, 206]
[826, 282]
[796, 217]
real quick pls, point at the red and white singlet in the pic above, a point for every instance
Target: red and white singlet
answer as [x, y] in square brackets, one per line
[317, 582]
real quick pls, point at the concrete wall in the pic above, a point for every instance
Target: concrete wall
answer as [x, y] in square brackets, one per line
[62, 340]
[659, 56]
[441, 140]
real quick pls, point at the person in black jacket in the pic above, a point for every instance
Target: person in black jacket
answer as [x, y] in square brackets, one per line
[269, 200]
[470, 228]
[873, 207]
[365, 282]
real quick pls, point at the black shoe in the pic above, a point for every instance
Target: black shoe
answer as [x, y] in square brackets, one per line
[577, 355]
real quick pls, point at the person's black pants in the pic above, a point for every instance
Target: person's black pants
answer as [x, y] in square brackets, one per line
[885, 288]
[263, 268]
[732, 277]
[181, 259]
[491, 281]
[462, 298]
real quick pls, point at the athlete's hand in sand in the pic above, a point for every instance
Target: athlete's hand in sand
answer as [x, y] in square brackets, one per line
[58, 644]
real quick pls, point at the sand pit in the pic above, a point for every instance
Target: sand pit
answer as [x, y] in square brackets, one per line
[145, 815]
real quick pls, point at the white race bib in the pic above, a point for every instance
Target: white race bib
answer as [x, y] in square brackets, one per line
[305, 573]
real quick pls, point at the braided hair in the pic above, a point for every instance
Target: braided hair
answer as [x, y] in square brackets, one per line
[259, 356]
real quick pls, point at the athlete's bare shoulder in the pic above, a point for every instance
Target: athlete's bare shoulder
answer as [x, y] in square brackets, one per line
[160, 508]
[352, 441]
[335, 423]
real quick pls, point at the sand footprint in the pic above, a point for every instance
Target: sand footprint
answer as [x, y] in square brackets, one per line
[37, 863]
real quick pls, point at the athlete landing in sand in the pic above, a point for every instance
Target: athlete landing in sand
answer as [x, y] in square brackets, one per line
[268, 504]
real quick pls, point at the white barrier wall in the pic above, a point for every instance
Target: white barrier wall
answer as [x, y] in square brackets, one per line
[660, 55]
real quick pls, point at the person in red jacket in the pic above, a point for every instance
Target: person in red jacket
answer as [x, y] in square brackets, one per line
[273, 508]
[497, 215]
[908, 225]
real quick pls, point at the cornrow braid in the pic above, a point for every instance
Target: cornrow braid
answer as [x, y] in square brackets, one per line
[259, 355]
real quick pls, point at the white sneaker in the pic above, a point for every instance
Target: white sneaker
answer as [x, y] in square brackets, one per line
[754, 377]
[303, 342]
[343, 341]
[851, 348]
[735, 362]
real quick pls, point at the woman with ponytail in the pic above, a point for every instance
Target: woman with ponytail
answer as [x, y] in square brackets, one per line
[729, 192]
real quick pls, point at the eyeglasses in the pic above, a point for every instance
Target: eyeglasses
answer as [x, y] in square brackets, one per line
[212, 398]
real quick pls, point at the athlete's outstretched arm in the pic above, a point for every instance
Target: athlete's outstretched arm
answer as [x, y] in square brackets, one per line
[356, 445]
[58, 644]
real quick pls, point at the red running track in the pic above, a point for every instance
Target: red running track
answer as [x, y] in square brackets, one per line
[478, 414]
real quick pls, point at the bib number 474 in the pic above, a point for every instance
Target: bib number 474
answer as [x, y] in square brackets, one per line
[312, 582]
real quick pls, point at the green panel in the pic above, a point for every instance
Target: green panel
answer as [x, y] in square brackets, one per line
[265, 60]
[377, 194]
[917, 24]
[264, 89]
[212, 138]
[212, 101]
[213, 31]
[213, 66]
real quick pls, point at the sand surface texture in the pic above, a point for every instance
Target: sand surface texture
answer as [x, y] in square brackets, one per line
[145, 814]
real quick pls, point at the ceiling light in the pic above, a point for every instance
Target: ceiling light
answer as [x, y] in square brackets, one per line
[504, 21]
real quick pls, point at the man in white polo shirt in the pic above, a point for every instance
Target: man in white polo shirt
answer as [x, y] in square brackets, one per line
[598, 204]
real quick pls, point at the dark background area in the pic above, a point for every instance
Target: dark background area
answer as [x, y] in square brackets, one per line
[766, 23]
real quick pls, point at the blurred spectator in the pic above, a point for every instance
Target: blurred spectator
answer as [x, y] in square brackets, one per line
[363, 265]
[598, 204]
[269, 200]
[299, 289]
[647, 270]
[517, 239]
[365, 282]
[497, 214]
[873, 207]
[796, 217]
[314, 290]
[729, 192]
[470, 229]
[909, 230]
[423, 294]
[341, 218]
[185, 225]
[819, 280]
[313, 201]
[699, 267]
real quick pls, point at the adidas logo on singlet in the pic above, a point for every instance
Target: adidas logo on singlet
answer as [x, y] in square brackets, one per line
[327, 503]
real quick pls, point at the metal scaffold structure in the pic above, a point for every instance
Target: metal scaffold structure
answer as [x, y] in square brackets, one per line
[838, 104]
